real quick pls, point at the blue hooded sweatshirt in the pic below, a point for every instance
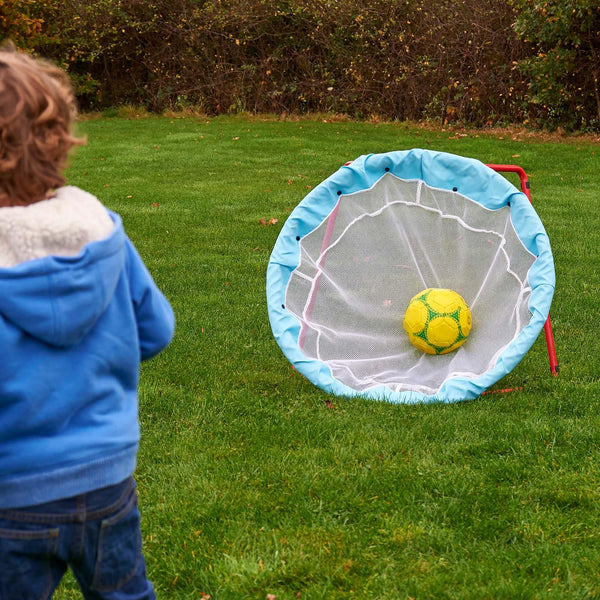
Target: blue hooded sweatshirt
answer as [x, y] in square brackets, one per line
[73, 330]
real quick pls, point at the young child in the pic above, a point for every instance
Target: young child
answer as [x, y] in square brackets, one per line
[78, 311]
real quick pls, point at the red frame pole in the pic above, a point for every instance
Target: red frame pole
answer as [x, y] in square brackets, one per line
[547, 326]
[324, 246]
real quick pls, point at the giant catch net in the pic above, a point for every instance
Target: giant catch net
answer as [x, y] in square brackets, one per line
[373, 237]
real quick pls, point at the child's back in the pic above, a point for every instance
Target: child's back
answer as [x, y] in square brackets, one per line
[78, 311]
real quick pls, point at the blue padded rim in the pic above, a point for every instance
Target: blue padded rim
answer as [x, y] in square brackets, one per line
[441, 170]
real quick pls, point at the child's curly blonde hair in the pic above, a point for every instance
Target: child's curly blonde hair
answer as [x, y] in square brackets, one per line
[37, 109]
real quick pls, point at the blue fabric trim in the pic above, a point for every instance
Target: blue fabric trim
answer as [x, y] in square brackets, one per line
[441, 170]
[72, 480]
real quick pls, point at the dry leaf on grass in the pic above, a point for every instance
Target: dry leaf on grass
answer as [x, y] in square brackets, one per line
[271, 221]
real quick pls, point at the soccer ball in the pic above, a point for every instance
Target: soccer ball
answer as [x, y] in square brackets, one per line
[437, 321]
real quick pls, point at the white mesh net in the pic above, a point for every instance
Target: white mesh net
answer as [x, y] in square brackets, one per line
[375, 251]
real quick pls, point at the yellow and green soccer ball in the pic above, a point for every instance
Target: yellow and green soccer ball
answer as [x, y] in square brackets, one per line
[437, 321]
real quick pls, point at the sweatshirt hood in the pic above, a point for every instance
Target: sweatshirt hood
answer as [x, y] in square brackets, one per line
[59, 299]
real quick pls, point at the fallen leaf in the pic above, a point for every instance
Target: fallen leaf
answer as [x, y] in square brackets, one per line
[273, 221]
[155, 204]
[262, 222]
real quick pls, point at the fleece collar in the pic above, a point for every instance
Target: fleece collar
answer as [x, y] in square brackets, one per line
[59, 226]
[65, 256]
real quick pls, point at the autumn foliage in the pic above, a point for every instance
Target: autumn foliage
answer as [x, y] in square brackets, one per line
[477, 61]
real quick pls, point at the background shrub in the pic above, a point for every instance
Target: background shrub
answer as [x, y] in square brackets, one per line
[476, 61]
[563, 66]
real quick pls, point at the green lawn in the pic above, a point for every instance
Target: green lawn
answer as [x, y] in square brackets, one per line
[251, 484]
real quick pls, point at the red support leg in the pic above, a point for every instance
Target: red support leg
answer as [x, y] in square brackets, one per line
[547, 326]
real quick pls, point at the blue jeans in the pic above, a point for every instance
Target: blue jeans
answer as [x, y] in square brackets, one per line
[97, 535]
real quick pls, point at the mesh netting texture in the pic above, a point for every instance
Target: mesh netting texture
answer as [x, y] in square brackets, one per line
[376, 250]
[380, 230]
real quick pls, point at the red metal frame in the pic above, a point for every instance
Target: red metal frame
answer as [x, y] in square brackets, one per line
[311, 302]
[547, 326]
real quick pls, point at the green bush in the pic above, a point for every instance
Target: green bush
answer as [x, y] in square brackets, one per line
[564, 63]
[476, 61]
[19, 23]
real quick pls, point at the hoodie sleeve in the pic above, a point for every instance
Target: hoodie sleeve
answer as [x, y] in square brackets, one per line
[155, 318]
